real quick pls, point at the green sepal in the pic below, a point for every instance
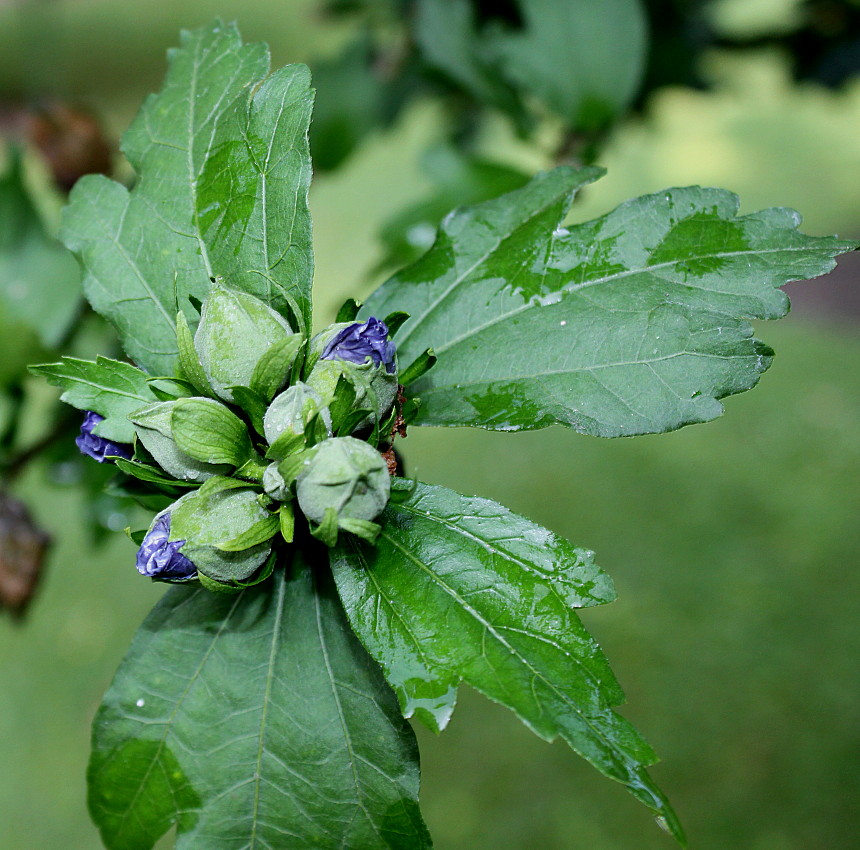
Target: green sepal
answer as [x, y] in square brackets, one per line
[155, 430]
[365, 529]
[252, 405]
[348, 311]
[236, 331]
[262, 531]
[219, 515]
[410, 409]
[291, 467]
[326, 531]
[292, 412]
[207, 431]
[175, 388]
[145, 472]
[286, 445]
[217, 586]
[394, 321]
[273, 369]
[355, 420]
[287, 519]
[252, 469]
[136, 537]
[418, 367]
[189, 362]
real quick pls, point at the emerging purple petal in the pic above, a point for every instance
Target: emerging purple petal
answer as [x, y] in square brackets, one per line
[97, 447]
[159, 557]
[357, 342]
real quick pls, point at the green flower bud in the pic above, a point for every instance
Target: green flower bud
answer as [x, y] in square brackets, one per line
[373, 375]
[275, 485]
[154, 428]
[236, 331]
[292, 410]
[346, 476]
[227, 532]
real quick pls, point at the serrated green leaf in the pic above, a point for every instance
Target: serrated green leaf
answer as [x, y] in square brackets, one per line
[109, 387]
[583, 58]
[460, 589]
[254, 720]
[224, 169]
[40, 282]
[634, 323]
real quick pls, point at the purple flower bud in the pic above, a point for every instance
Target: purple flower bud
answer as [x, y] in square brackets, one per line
[159, 557]
[98, 447]
[358, 342]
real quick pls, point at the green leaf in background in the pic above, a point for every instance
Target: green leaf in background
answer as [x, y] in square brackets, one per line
[634, 323]
[254, 720]
[39, 279]
[446, 33]
[348, 104]
[109, 387]
[224, 169]
[458, 178]
[583, 58]
[461, 589]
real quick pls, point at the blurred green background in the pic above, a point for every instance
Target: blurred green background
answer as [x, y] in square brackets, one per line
[733, 545]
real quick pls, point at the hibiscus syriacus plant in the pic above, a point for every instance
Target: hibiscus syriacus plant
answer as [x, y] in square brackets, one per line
[319, 598]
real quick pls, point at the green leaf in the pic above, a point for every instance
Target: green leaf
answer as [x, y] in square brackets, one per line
[449, 40]
[459, 589]
[39, 279]
[254, 720]
[584, 59]
[109, 387]
[634, 323]
[224, 169]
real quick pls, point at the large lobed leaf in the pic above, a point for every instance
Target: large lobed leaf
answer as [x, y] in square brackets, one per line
[224, 169]
[634, 323]
[253, 721]
[461, 589]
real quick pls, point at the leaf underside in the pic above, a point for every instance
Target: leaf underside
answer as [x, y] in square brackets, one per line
[253, 721]
[109, 387]
[460, 589]
[634, 323]
[224, 168]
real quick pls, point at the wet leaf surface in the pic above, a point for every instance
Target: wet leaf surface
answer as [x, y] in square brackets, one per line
[634, 323]
[253, 721]
[460, 589]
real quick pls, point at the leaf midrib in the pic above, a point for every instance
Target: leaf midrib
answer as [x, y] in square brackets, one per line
[535, 672]
[572, 288]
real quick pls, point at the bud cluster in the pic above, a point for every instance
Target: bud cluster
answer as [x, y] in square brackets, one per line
[260, 424]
